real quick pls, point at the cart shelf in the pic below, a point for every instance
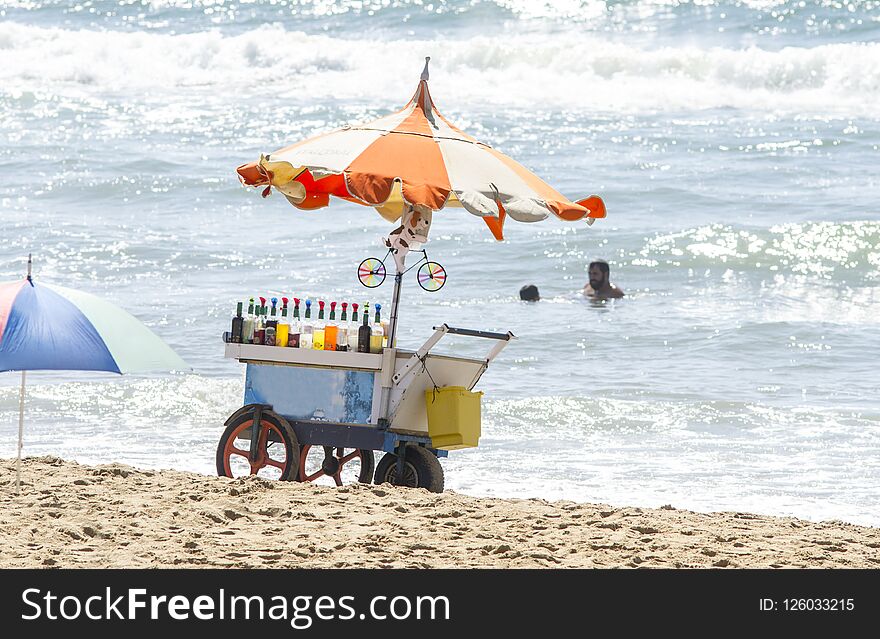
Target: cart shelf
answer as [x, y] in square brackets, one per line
[347, 360]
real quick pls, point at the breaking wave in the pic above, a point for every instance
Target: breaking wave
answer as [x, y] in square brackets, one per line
[524, 69]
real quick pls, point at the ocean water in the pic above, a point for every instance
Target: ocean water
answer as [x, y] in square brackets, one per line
[735, 142]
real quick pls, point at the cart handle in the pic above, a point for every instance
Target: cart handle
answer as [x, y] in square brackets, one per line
[473, 333]
[439, 332]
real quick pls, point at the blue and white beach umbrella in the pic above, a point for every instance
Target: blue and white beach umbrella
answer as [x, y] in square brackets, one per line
[45, 327]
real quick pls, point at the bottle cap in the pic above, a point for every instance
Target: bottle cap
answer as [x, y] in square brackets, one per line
[284, 301]
[354, 306]
[308, 302]
[321, 304]
[344, 305]
[378, 307]
[296, 301]
[332, 306]
[274, 301]
[262, 301]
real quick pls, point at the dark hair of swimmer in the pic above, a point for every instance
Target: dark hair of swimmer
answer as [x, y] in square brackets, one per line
[602, 265]
[529, 293]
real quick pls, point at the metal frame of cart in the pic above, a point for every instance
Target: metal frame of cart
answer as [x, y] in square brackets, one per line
[301, 398]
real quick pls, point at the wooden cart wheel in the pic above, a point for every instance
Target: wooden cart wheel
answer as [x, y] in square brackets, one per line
[277, 449]
[421, 469]
[336, 464]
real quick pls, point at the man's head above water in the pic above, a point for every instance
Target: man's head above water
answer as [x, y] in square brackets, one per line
[599, 273]
[529, 293]
[600, 286]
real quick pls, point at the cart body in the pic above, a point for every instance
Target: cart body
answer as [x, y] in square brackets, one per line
[335, 398]
[346, 400]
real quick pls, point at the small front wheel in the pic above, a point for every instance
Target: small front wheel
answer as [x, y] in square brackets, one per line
[421, 469]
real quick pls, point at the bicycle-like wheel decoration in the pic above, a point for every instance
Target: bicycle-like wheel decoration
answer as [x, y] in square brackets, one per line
[431, 276]
[371, 272]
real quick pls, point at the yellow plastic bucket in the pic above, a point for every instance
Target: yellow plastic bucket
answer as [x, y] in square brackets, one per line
[453, 417]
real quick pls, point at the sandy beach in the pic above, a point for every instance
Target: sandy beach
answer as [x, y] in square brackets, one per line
[114, 516]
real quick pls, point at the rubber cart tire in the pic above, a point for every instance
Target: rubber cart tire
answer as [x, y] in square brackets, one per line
[421, 469]
[279, 448]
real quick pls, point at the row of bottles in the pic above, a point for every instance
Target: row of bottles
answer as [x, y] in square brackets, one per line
[267, 327]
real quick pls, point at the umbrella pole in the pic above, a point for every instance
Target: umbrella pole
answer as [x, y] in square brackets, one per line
[392, 336]
[20, 434]
[395, 303]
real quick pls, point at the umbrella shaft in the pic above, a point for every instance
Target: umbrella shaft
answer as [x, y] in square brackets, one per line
[392, 335]
[20, 433]
[395, 303]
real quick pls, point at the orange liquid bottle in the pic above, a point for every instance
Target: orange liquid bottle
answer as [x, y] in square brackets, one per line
[331, 330]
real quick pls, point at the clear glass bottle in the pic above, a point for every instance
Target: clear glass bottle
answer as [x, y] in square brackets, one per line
[259, 325]
[342, 331]
[377, 332]
[353, 330]
[295, 326]
[247, 330]
[318, 332]
[305, 338]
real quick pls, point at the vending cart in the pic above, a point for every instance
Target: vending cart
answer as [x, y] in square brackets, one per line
[318, 411]
[311, 414]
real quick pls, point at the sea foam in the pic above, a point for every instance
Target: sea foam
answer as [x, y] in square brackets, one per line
[520, 70]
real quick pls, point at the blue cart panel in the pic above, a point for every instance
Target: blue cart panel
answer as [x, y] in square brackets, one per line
[299, 393]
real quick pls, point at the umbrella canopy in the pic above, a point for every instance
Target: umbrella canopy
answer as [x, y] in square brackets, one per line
[414, 157]
[45, 327]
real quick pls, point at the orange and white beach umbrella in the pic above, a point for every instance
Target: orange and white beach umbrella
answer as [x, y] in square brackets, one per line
[414, 157]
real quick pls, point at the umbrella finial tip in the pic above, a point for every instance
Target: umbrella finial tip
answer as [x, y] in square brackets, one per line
[425, 70]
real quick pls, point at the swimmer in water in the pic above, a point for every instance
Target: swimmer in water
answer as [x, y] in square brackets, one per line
[599, 286]
[529, 293]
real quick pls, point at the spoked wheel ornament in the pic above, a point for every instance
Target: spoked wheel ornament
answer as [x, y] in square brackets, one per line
[339, 465]
[371, 272]
[431, 276]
